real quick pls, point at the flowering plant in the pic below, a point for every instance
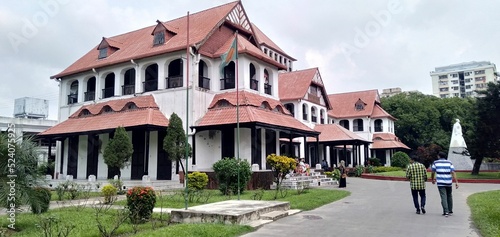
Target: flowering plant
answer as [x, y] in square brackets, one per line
[140, 202]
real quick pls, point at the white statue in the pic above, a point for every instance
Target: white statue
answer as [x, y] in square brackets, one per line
[457, 139]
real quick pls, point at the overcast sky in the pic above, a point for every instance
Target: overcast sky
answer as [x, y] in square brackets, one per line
[356, 44]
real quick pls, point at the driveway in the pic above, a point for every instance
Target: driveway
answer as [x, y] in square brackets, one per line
[381, 208]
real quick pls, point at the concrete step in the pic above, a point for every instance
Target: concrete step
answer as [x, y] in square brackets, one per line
[274, 215]
[257, 223]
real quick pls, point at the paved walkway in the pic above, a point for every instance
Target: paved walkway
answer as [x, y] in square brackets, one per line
[381, 208]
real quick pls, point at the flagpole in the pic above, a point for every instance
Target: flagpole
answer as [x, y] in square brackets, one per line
[237, 115]
[186, 154]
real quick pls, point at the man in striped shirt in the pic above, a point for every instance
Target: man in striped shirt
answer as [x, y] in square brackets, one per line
[443, 173]
[417, 174]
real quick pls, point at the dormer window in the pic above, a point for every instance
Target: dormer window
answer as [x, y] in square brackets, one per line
[159, 38]
[162, 33]
[360, 105]
[103, 53]
[107, 47]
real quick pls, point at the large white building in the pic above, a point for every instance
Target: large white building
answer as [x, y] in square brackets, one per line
[463, 79]
[138, 79]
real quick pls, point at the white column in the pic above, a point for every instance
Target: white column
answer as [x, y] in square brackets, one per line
[80, 90]
[118, 83]
[162, 74]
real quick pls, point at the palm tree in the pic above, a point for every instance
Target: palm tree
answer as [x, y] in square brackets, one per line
[19, 172]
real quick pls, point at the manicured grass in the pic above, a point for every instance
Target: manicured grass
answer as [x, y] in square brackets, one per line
[308, 200]
[460, 175]
[486, 212]
[85, 222]
[83, 195]
[196, 230]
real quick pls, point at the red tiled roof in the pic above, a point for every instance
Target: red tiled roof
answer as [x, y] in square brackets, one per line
[263, 39]
[139, 44]
[249, 111]
[335, 132]
[295, 85]
[378, 112]
[343, 104]
[146, 112]
[387, 141]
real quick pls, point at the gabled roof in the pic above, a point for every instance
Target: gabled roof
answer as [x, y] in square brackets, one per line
[263, 39]
[343, 104]
[250, 111]
[295, 85]
[387, 141]
[378, 112]
[139, 44]
[335, 133]
[95, 118]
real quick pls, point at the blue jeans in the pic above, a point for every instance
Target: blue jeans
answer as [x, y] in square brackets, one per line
[446, 198]
[415, 194]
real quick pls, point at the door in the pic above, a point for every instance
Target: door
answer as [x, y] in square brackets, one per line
[164, 167]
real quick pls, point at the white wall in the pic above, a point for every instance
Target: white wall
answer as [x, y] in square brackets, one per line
[102, 168]
[82, 157]
[208, 149]
[153, 154]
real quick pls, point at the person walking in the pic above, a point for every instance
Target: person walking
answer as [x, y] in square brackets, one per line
[343, 175]
[417, 175]
[443, 173]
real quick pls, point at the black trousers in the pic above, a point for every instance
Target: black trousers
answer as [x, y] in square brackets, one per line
[415, 194]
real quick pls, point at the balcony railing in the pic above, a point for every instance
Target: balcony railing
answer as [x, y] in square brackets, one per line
[72, 99]
[89, 95]
[204, 82]
[108, 92]
[267, 89]
[254, 84]
[322, 121]
[304, 116]
[128, 89]
[174, 82]
[150, 85]
[379, 128]
[314, 119]
[357, 128]
[227, 83]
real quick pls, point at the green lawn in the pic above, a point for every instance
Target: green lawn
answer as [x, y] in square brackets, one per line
[486, 212]
[81, 195]
[85, 221]
[460, 175]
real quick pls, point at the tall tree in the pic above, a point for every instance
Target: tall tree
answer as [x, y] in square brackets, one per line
[487, 139]
[174, 142]
[119, 150]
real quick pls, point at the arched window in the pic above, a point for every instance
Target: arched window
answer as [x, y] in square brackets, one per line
[90, 93]
[175, 71]
[290, 107]
[203, 80]
[344, 123]
[322, 116]
[254, 83]
[267, 83]
[128, 87]
[304, 112]
[379, 125]
[73, 93]
[314, 117]
[357, 125]
[109, 86]
[151, 78]
[228, 82]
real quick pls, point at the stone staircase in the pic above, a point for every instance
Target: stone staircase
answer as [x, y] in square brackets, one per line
[314, 179]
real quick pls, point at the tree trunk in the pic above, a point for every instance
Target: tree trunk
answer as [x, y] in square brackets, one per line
[477, 165]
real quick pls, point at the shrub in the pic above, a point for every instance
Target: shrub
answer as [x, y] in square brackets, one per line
[281, 166]
[374, 161]
[118, 184]
[140, 202]
[369, 169]
[109, 192]
[359, 170]
[197, 181]
[381, 169]
[336, 174]
[42, 200]
[400, 159]
[226, 171]
[329, 174]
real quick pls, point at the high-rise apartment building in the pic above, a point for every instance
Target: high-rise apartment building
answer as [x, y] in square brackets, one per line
[463, 79]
